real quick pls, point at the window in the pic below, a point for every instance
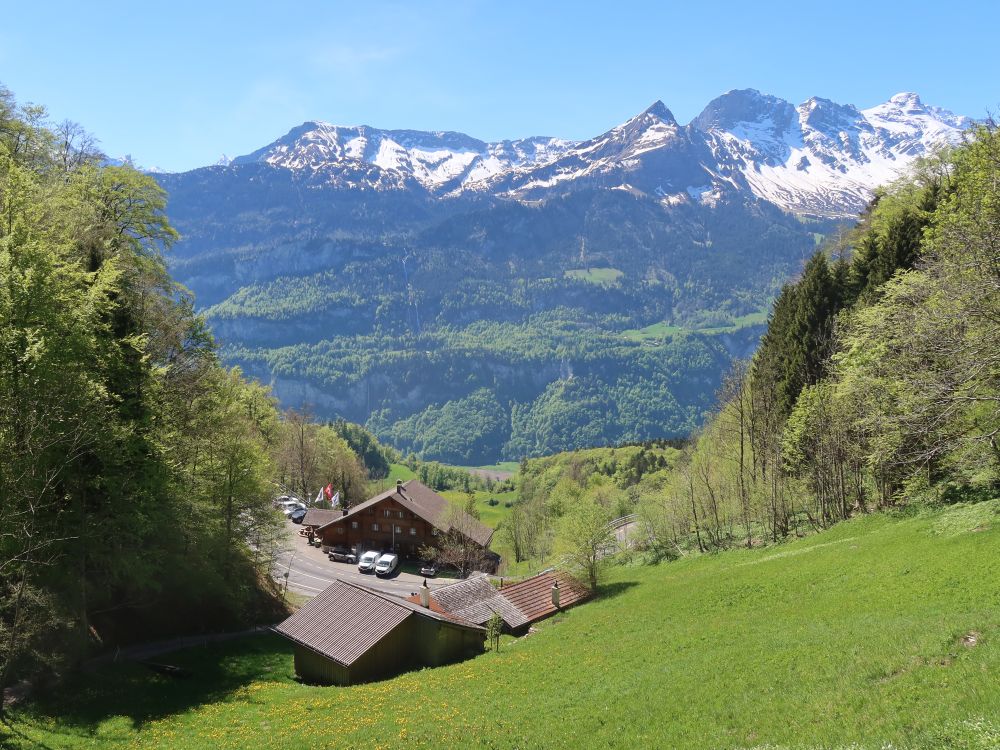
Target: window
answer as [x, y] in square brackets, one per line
[399, 529]
[374, 527]
[402, 514]
[340, 529]
[413, 531]
[388, 513]
[354, 524]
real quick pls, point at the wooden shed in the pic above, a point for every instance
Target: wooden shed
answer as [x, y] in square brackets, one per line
[350, 634]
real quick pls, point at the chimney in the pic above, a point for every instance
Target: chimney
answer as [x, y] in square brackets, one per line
[399, 486]
[425, 596]
[555, 594]
[343, 511]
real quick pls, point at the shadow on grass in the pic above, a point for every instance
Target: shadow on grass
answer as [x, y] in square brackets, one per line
[141, 695]
[611, 590]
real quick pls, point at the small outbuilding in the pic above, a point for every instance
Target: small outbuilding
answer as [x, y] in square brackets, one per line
[519, 604]
[350, 634]
[476, 599]
[545, 594]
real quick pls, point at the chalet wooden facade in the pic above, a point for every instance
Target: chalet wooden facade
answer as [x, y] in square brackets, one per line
[401, 520]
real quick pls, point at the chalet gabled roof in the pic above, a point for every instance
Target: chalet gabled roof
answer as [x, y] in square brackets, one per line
[428, 505]
[345, 620]
[475, 600]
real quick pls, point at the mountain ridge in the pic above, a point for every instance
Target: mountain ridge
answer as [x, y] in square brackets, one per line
[818, 158]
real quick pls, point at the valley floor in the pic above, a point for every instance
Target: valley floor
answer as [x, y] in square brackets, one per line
[884, 631]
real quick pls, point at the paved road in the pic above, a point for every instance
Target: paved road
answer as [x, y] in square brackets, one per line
[310, 571]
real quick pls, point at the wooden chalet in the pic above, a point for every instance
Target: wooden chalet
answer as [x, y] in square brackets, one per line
[350, 634]
[401, 520]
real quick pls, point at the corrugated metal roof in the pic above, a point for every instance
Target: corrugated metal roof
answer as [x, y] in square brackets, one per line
[345, 620]
[420, 499]
[475, 600]
[533, 596]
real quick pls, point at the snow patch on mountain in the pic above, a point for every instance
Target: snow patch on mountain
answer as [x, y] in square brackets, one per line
[818, 158]
[827, 159]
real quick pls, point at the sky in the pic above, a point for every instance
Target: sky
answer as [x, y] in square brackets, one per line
[176, 85]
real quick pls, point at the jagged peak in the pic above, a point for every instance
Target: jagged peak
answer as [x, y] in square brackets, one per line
[660, 111]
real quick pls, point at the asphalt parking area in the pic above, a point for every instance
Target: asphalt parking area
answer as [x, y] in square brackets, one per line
[310, 571]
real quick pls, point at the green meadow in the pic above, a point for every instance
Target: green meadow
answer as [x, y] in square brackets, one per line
[599, 276]
[660, 331]
[882, 632]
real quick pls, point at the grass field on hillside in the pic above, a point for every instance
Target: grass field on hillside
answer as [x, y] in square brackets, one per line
[491, 515]
[658, 331]
[396, 471]
[600, 276]
[881, 630]
[510, 467]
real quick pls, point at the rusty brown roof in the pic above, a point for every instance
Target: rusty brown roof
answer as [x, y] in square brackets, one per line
[435, 607]
[345, 620]
[475, 599]
[430, 506]
[320, 516]
[533, 596]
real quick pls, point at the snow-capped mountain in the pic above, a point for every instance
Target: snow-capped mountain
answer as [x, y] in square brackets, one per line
[818, 158]
[821, 157]
[437, 161]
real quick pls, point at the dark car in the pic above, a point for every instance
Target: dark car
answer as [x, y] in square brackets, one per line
[429, 569]
[342, 554]
[296, 516]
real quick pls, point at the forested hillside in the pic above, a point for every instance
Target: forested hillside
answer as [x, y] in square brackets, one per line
[136, 473]
[475, 328]
[876, 385]
[877, 382]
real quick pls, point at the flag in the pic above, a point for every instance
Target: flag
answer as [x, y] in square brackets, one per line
[319, 496]
[328, 491]
[335, 500]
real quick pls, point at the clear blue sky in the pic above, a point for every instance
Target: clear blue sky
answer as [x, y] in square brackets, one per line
[176, 84]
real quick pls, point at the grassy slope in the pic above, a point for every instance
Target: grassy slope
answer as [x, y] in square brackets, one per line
[851, 636]
[658, 331]
[600, 276]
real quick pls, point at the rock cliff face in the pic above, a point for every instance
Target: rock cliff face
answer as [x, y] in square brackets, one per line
[553, 291]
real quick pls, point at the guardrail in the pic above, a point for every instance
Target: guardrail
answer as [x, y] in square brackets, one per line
[623, 521]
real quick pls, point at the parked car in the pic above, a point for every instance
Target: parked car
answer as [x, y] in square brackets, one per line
[429, 569]
[367, 562]
[290, 506]
[297, 515]
[342, 554]
[386, 565]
